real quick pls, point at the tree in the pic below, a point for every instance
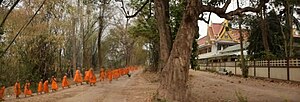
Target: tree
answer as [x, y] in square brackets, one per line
[173, 85]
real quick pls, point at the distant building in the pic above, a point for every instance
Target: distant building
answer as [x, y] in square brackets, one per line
[220, 41]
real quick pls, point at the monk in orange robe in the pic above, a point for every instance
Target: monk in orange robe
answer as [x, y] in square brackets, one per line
[127, 72]
[17, 89]
[2, 92]
[102, 74]
[27, 90]
[113, 74]
[78, 78]
[109, 75]
[65, 82]
[117, 74]
[123, 71]
[86, 76]
[46, 88]
[92, 78]
[54, 84]
[40, 87]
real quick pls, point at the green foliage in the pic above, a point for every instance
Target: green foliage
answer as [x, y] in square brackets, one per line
[37, 52]
[275, 36]
[176, 13]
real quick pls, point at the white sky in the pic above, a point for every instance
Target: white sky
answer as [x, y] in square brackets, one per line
[216, 19]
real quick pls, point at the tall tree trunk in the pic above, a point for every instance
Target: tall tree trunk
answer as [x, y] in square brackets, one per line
[102, 8]
[173, 85]
[264, 29]
[290, 32]
[162, 19]
[74, 45]
[99, 43]
[243, 63]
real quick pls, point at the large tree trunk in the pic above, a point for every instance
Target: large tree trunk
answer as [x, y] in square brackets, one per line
[162, 19]
[173, 85]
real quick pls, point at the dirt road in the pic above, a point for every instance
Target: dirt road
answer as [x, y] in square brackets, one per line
[133, 89]
[204, 86]
[209, 87]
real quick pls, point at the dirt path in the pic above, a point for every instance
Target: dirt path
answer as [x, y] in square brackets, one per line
[205, 87]
[209, 87]
[124, 90]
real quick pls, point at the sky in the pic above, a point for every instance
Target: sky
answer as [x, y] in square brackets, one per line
[203, 26]
[215, 19]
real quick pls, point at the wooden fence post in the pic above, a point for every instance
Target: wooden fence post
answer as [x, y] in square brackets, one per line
[235, 66]
[268, 68]
[254, 66]
[288, 68]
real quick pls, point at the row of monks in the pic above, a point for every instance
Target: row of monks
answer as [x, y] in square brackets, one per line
[89, 77]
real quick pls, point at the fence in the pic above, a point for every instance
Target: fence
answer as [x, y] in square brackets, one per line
[285, 69]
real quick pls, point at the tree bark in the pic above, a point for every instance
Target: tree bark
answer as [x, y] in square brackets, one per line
[264, 29]
[290, 32]
[99, 42]
[174, 75]
[74, 45]
[243, 63]
[162, 19]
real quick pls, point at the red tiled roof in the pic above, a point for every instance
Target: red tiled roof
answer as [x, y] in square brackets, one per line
[216, 27]
[210, 33]
[202, 40]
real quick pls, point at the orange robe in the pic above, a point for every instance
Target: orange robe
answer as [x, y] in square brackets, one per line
[46, 89]
[27, 90]
[17, 89]
[117, 73]
[102, 74]
[92, 76]
[127, 71]
[77, 78]
[40, 87]
[113, 73]
[86, 76]
[54, 84]
[2, 92]
[109, 75]
[65, 82]
[123, 71]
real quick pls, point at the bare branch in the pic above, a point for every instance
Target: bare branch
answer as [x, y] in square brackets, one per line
[23, 27]
[135, 14]
[221, 12]
[226, 5]
[204, 20]
[10, 10]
